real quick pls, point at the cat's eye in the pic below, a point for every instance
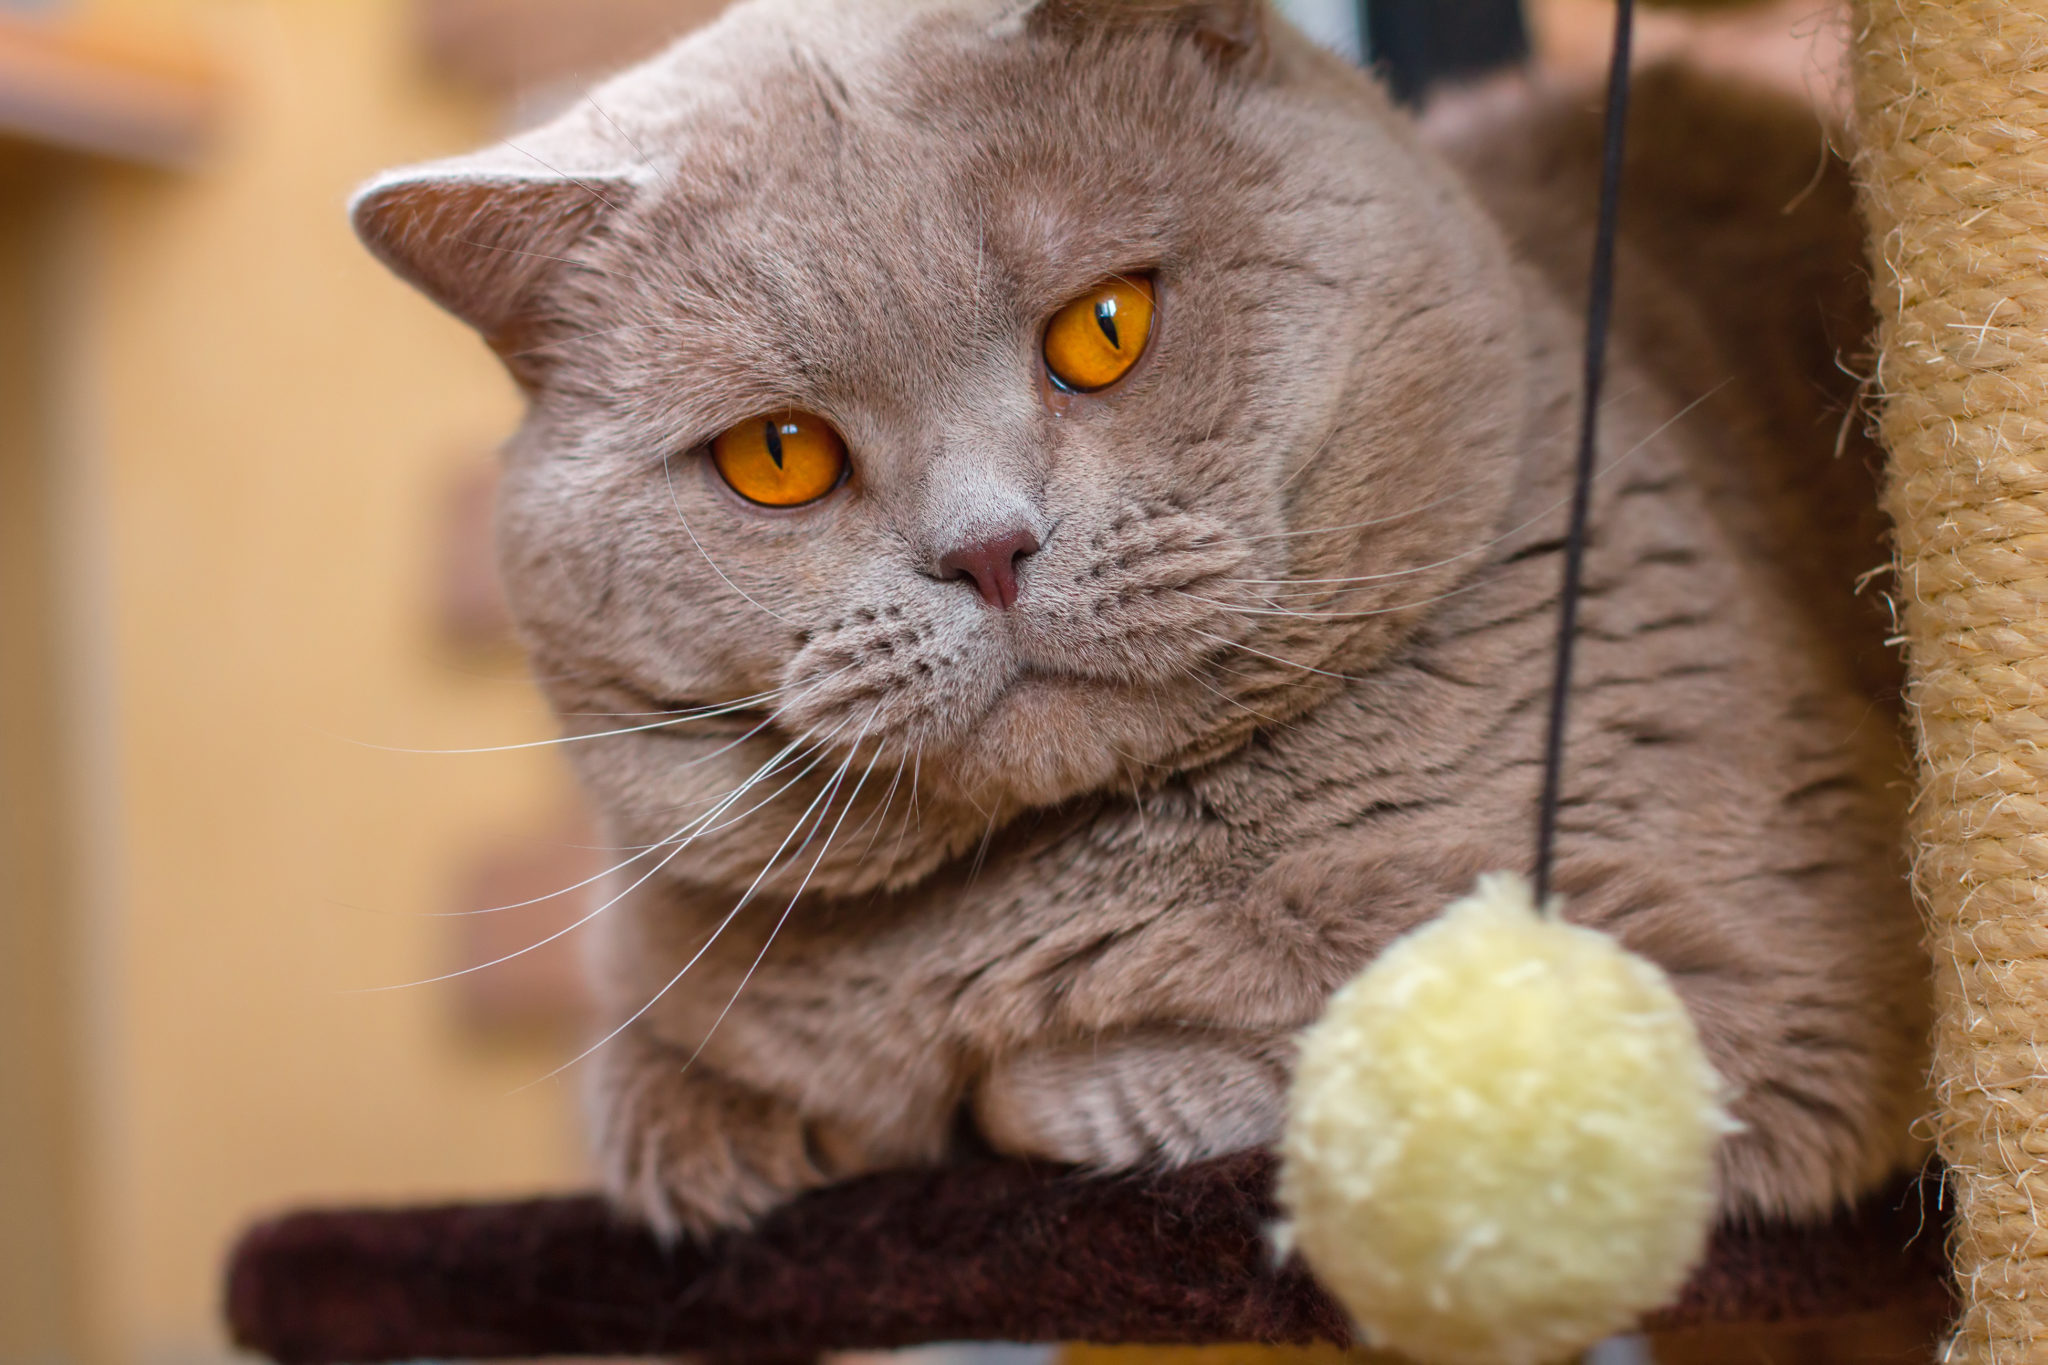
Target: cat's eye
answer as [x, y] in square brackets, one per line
[1093, 341]
[784, 459]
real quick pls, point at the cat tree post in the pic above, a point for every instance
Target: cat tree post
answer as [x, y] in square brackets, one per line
[1952, 123]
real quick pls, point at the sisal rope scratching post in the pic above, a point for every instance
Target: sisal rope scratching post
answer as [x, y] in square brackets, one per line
[1952, 123]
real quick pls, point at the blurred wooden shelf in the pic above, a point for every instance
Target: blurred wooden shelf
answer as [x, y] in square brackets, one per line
[104, 92]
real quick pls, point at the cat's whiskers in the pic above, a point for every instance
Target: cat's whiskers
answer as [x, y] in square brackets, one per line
[1291, 663]
[638, 852]
[797, 895]
[732, 914]
[723, 801]
[1221, 695]
[719, 752]
[774, 715]
[911, 810]
[988, 836]
[1240, 610]
[681, 839]
[817, 753]
[917, 770]
[880, 818]
[672, 718]
[823, 747]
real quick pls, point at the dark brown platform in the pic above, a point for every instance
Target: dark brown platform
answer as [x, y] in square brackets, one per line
[989, 1252]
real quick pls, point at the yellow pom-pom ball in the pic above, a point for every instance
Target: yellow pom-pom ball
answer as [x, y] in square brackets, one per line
[1501, 1140]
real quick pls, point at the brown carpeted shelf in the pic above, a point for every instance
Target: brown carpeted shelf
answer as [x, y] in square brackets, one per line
[989, 1252]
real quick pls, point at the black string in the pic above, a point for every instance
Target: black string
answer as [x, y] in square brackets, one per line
[1599, 305]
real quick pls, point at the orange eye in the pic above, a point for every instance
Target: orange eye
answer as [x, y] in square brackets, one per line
[1093, 341]
[785, 459]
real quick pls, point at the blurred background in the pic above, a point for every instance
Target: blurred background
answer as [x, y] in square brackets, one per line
[244, 540]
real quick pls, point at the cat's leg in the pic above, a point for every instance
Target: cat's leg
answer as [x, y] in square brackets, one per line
[692, 1151]
[1147, 1096]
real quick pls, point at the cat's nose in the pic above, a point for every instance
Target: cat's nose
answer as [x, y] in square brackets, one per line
[991, 565]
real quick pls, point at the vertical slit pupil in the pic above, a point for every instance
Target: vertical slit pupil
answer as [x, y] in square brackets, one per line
[1105, 318]
[774, 443]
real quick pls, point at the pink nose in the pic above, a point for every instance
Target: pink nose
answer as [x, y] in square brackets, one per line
[991, 565]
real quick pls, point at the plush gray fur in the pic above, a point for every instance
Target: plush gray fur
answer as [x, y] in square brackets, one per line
[1071, 875]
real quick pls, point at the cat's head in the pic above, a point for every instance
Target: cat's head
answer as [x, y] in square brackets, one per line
[1127, 369]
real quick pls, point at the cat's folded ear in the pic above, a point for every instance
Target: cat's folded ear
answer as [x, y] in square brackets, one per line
[1233, 32]
[480, 234]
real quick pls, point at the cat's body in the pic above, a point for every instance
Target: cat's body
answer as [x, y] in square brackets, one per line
[1272, 688]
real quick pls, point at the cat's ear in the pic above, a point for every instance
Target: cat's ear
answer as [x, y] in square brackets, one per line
[480, 234]
[1233, 32]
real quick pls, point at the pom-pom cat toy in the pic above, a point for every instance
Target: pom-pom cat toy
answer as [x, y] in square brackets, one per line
[1502, 1144]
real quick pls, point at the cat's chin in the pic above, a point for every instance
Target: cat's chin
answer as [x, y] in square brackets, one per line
[1047, 739]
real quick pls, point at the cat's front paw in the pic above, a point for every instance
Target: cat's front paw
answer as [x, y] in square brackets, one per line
[1148, 1097]
[690, 1152]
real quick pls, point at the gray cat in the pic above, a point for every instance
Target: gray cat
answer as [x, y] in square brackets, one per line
[1046, 513]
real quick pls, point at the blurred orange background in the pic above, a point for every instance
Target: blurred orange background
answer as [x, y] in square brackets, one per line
[241, 474]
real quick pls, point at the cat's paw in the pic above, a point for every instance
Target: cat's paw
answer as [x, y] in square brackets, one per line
[690, 1152]
[1148, 1097]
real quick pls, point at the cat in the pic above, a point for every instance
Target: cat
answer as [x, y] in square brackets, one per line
[1041, 522]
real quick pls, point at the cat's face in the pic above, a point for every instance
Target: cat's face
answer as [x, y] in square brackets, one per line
[860, 223]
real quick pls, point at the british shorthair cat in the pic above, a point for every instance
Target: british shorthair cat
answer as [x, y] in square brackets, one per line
[1043, 518]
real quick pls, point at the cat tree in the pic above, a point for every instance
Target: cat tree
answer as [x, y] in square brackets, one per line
[1952, 156]
[1952, 125]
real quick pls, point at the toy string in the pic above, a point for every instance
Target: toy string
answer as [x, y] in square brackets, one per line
[1599, 307]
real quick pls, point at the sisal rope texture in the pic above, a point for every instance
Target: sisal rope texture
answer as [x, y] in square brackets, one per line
[1952, 138]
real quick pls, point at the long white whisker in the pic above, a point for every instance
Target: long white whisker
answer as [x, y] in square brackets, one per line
[637, 884]
[1307, 668]
[1221, 695]
[910, 809]
[696, 957]
[536, 900]
[766, 721]
[646, 849]
[1467, 586]
[916, 770]
[673, 718]
[783, 919]
[728, 824]
[880, 819]
[988, 837]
